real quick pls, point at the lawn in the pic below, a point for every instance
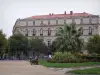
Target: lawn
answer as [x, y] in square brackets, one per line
[87, 71]
[67, 65]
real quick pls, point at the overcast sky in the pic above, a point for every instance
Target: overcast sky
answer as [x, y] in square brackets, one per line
[10, 10]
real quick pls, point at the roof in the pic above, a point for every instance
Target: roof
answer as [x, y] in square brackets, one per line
[61, 15]
[51, 15]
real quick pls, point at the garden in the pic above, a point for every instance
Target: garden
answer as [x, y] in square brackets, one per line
[93, 71]
[67, 50]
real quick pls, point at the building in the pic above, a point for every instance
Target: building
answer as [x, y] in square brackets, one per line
[44, 26]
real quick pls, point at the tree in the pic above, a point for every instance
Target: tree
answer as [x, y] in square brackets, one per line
[68, 39]
[17, 44]
[38, 45]
[3, 42]
[93, 44]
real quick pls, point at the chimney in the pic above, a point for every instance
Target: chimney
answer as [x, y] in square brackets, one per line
[71, 12]
[65, 12]
[84, 12]
[49, 13]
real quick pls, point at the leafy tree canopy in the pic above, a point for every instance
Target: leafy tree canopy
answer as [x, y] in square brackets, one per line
[17, 43]
[93, 44]
[38, 45]
[3, 42]
[68, 39]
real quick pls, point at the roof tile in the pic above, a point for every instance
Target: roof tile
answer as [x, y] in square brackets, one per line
[60, 15]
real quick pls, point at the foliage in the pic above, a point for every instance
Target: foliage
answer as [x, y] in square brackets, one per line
[68, 39]
[3, 42]
[87, 71]
[94, 54]
[92, 58]
[38, 45]
[65, 57]
[93, 44]
[67, 65]
[17, 44]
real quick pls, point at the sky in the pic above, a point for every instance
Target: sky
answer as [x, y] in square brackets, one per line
[11, 10]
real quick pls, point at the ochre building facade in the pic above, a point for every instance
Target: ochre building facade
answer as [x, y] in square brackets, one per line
[45, 26]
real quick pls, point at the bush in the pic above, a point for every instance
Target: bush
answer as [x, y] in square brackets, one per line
[92, 58]
[94, 54]
[93, 44]
[65, 57]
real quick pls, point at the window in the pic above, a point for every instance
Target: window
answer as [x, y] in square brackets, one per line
[80, 30]
[45, 22]
[94, 20]
[52, 22]
[30, 23]
[33, 22]
[34, 32]
[90, 30]
[81, 21]
[85, 20]
[64, 21]
[49, 43]
[49, 31]
[68, 21]
[26, 32]
[48, 22]
[41, 32]
[23, 23]
[77, 21]
[56, 31]
[60, 21]
[41, 22]
[56, 22]
[37, 22]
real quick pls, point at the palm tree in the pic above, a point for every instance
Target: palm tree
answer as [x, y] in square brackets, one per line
[68, 39]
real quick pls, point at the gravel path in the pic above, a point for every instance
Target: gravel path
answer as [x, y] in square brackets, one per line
[24, 68]
[66, 70]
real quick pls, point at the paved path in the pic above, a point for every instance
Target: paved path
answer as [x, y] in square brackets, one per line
[24, 68]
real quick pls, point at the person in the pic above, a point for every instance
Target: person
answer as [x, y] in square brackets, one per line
[30, 58]
[33, 57]
[36, 60]
[49, 54]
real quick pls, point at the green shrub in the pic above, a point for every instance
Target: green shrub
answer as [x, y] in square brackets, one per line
[92, 58]
[94, 55]
[65, 57]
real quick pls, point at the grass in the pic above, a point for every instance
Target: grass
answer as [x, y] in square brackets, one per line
[87, 71]
[67, 65]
